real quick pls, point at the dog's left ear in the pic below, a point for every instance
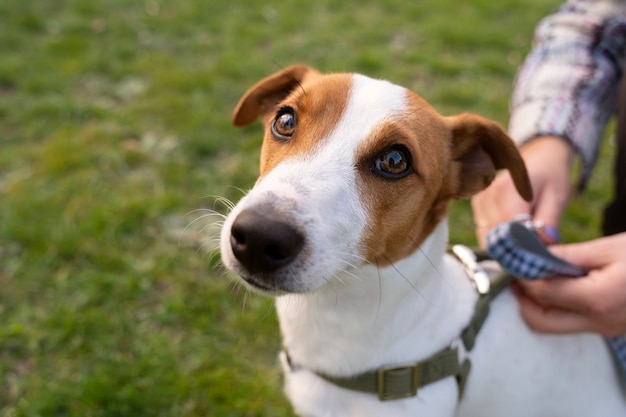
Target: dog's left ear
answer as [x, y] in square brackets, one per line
[265, 94]
[480, 147]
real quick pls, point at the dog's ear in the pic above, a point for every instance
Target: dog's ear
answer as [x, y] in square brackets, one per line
[264, 95]
[480, 147]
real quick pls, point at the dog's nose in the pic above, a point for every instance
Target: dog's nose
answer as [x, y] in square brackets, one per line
[263, 243]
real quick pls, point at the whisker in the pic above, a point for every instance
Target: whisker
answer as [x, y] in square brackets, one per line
[349, 266]
[352, 260]
[380, 293]
[233, 286]
[356, 258]
[245, 300]
[221, 271]
[207, 214]
[241, 190]
[432, 264]
[230, 205]
[338, 278]
[434, 267]
[348, 272]
[211, 230]
[407, 280]
[220, 218]
[219, 198]
[205, 210]
[213, 262]
[269, 310]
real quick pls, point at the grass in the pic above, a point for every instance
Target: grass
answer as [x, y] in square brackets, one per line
[115, 135]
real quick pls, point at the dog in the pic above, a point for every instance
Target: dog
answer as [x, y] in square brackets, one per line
[346, 227]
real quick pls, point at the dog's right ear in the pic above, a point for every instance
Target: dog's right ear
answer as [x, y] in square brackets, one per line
[479, 148]
[264, 95]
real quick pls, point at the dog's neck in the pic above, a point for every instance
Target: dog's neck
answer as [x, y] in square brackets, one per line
[366, 317]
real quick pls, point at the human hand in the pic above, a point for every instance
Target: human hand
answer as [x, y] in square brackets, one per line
[594, 303]
[548, 162]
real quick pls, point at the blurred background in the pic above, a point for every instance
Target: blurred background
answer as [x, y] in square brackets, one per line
[115, 139]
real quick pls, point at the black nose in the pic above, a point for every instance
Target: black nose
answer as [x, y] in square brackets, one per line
[263, 243]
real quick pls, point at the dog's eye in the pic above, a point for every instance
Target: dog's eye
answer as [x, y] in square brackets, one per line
[284, 125]
[393, 163]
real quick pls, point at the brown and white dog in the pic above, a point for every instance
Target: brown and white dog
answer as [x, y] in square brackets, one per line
[346, 227]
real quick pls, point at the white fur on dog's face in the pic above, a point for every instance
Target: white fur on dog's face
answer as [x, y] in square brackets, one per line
[322, 179]
[318, 192]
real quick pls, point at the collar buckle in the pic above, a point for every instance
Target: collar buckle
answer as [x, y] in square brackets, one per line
[477, 275]
[396, 382]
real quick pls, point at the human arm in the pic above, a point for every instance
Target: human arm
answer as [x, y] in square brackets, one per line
[566, 89]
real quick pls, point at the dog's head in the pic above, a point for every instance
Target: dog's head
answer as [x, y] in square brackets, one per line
[353, 171]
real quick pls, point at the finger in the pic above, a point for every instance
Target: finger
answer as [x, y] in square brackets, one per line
[591, 255]
[485, 218]
[496, 205]
[551, 319]
[563, 293]
[549, 208]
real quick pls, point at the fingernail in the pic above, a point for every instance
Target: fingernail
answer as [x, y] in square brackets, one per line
[552, 233]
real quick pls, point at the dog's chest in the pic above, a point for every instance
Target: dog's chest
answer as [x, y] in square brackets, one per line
[382, 316]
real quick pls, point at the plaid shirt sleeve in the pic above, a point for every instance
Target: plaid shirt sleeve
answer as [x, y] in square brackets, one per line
[567, 86]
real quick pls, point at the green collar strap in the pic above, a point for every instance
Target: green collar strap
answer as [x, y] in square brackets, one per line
[486, 287]
[399, 381]
[404, 380]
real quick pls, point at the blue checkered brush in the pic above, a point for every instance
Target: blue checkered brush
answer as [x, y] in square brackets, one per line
[522, 254]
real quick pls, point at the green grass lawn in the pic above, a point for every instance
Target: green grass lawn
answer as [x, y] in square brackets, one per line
[115, 137]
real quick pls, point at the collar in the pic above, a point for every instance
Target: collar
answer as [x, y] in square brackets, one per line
[398, 381]
[404, 380]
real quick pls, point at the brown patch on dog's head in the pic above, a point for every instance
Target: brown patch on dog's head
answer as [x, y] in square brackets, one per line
[405, 211]
[452, 158]
[316, 102]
